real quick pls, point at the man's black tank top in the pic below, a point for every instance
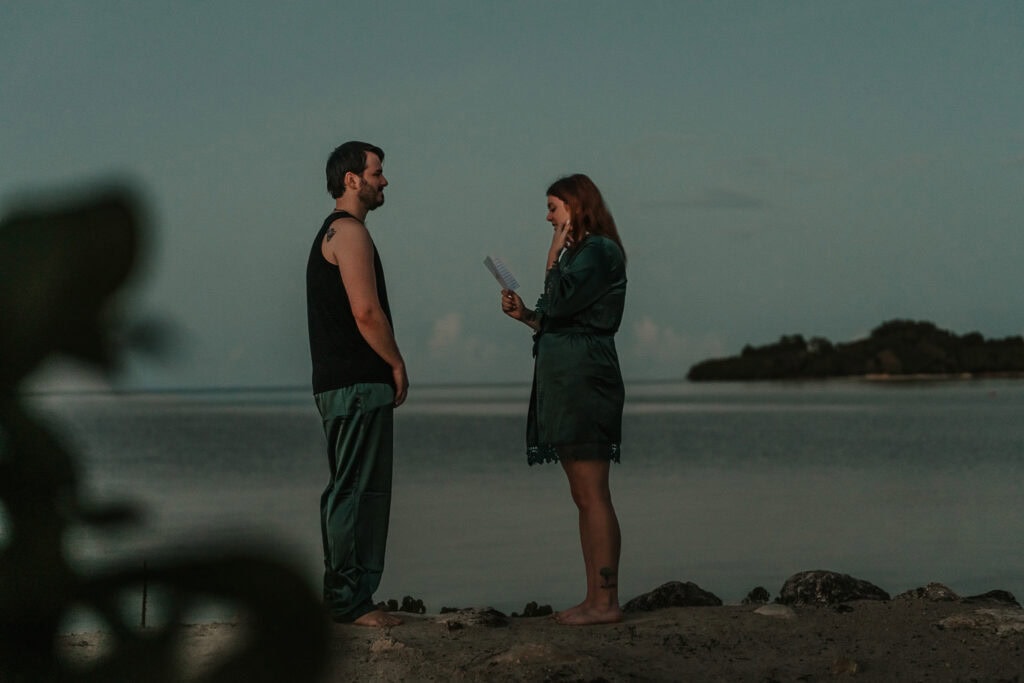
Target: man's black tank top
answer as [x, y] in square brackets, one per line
[341, 357]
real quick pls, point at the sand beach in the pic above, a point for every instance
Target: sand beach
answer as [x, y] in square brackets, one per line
[903, 639]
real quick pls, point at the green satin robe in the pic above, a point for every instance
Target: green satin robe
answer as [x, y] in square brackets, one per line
[576, 401]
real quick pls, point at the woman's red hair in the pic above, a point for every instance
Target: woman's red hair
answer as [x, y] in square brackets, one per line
[587, 210]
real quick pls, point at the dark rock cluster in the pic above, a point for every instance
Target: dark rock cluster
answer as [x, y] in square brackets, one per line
[936, 592]
[758, 596]
[673, 594]
[455, 618]
[532, 609]
[819, 587]
[997, 597]
[815, 588]
[811, 588]
[409, 604]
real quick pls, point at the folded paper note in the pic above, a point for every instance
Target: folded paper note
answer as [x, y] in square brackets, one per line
[501, 273]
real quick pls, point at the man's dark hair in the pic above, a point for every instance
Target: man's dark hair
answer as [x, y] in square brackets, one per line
[348, 158]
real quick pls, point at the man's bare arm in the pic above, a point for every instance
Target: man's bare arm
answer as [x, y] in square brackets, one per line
[348, 245]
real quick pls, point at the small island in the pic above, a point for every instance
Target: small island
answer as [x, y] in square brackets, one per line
[895, 349]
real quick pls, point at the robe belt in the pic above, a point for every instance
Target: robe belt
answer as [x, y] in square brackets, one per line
[569, 329]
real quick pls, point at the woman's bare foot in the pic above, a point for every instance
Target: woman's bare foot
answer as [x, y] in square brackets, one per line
[568, 613]
[377, 618]
[582, 615]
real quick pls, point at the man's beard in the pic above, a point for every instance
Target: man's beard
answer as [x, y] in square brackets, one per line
[371, 198]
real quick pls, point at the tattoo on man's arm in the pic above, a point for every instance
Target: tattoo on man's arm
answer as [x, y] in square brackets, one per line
[330, 233]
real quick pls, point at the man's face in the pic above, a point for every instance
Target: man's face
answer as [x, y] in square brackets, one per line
[372, 183]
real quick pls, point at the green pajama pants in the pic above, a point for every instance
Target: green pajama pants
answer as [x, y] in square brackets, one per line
[355, 506]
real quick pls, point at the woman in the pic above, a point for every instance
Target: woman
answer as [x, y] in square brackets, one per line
[575, 415]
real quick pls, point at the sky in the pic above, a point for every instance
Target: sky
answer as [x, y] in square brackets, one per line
[775, 168]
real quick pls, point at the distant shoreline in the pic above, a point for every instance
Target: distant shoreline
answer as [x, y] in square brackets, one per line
[872, 378]
[940, 377]
[905, 350]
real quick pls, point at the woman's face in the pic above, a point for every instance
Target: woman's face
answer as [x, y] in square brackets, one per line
[558, 212]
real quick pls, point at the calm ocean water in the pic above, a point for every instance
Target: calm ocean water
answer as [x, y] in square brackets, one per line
[731, 486]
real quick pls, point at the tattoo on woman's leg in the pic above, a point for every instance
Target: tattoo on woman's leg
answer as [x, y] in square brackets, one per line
[608, 574]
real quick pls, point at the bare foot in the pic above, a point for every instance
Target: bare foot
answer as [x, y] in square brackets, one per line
[583, 616]
[568, 613]
[377, 618]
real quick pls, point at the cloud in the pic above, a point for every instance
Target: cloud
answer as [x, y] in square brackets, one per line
[653, 342]
[446, 333]
[658, 349]
[452, 353]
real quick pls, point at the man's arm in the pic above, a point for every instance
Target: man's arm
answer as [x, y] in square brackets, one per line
[347, 244]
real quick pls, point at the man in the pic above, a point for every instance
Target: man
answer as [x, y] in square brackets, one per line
[359, 377]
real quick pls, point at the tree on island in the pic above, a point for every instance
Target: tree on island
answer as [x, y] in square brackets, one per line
[894, 348]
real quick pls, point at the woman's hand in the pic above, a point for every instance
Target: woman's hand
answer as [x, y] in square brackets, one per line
[512, 305]
[562, 239]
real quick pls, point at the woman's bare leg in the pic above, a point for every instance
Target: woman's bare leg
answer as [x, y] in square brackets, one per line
[600, 540]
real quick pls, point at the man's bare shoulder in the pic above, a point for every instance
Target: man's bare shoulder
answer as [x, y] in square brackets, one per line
[346, 226]
[342, 235]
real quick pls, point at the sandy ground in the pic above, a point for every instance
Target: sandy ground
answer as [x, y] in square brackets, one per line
[897, 640]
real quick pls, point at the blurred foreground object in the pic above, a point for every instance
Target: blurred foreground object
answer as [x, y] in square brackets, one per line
[60, 273]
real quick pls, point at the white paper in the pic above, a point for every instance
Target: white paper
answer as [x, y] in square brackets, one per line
[501, 273]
